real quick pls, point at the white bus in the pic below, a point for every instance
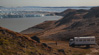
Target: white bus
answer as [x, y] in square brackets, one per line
[80, 41]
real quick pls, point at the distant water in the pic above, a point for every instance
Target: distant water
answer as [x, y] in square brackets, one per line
[40, 9]
[19, 24]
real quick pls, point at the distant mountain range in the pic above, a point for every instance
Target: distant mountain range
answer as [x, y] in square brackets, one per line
[50, 7]
[71, 7]
[58, 7]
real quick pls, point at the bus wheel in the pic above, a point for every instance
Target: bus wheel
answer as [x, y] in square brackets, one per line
[73, 45]
[87, 46]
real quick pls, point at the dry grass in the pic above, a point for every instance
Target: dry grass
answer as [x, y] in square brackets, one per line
[68, 50]
[12, 43]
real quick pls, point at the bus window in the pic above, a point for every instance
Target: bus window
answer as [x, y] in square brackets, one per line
[92, 39]
[88, 39]
[84, 40]
[80, 40]
[76, 39]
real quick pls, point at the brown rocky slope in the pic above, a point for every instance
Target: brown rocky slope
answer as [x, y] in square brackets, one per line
[13, 43]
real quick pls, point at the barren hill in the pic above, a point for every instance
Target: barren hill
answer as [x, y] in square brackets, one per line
[74, 23]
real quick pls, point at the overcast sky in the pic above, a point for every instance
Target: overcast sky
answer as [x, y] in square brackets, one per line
[13, 3]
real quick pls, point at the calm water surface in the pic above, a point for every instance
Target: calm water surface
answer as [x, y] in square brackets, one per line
[19, 24]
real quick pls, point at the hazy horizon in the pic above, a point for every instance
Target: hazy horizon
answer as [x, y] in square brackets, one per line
[51, 3]
[49, 6]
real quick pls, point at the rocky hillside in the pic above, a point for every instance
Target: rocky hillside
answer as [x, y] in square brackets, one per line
[13, 43]
[71, 10]
[74, 23]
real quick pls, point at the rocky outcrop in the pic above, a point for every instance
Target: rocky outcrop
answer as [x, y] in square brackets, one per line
[93, 13]
[36, 39]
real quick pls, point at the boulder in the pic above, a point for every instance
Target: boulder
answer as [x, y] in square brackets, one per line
[36, 39]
